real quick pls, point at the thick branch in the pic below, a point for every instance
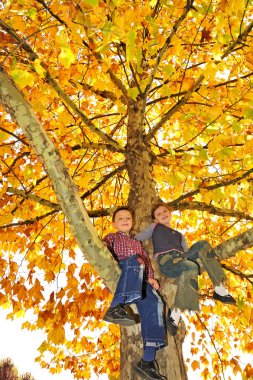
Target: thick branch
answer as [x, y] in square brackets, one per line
[90, 244]
[238, 243]
[84, 118]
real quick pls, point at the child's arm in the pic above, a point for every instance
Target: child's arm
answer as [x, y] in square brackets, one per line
[146, 233]
[108, 241]
[154, 283]
[184, 244]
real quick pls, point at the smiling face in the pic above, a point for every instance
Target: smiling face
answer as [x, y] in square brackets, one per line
[162, 215]
[123, 221]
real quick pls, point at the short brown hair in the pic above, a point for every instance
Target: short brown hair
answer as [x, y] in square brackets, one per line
[120, 209]
[155, 207]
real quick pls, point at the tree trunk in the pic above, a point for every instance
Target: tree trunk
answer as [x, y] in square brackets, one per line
[141, 198]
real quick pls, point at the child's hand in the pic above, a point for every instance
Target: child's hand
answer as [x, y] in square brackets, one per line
[154, 283]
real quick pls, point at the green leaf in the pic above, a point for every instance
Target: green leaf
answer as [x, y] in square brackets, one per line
[168, 70]
[240, 303]
[131, 37]
[23, 78]
[32, 13]
[248, 113]
[237, 127]
[93, 3]
[133, 92]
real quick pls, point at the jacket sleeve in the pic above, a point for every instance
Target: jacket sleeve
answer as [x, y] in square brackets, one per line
[146, 233]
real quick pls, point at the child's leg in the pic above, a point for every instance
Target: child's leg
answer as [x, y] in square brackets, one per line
[128, 289]
[187, 297]
[150, 309]
[208, 259]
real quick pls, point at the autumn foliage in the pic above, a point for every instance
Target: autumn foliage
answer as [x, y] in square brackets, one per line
[139, 98]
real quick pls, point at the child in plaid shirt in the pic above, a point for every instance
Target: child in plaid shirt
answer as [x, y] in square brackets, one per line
[136, 285]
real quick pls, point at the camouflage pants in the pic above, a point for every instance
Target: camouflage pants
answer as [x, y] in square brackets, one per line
[186, 267]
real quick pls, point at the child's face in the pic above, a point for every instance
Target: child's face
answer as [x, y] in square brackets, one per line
[123, 221]
[162, 215]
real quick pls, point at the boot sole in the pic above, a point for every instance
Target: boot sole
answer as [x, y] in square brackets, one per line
[142, 374]
[122, 322]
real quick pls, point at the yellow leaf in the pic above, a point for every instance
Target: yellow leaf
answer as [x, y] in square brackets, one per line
[66, 56]
[61, 38]
[43, 347]
[39, 69]
[3, 189]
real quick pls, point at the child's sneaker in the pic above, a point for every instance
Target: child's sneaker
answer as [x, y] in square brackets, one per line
[225, 299]
[118, 315]
[171, 326]
[148, 370]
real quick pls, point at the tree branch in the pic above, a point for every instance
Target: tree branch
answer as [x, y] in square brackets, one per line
[59, 90]
[15, 136]
[33, 197]
[187, 8]
[212, 187]
[95, 146]
[201, 206]
[237, 243]
[52, 13]
[174, 109]
[104, 180]
[82, 116]
[29, 221]
[196, 85]
[237, 272]
[72, 206]
[119, 84]
[103, 93]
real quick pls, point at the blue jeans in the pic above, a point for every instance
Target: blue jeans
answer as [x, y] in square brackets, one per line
[149, 304]
[186, 267]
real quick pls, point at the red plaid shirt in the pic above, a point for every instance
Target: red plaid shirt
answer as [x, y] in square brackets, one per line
[124, 246]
